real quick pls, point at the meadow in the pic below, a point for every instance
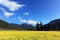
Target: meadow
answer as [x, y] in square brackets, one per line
[29, 35]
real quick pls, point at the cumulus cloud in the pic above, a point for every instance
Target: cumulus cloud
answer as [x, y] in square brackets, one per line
[29, 21]
[12, 5]
[7, 14]
[26, 13]
[19, 17]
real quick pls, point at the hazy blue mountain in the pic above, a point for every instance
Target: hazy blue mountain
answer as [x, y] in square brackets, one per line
[13, 26]
[28, 26]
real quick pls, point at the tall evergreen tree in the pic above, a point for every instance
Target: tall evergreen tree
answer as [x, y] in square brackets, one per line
[37, 26]
[41, 26]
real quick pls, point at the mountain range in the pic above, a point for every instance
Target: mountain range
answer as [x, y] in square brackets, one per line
[51, 26]
[11, 26]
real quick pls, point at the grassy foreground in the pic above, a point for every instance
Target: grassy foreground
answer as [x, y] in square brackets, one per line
[29, 35]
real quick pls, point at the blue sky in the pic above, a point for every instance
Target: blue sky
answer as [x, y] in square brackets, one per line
[29, 11]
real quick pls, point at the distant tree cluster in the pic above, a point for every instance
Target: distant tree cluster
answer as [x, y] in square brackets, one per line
[39, 26]
[51, 26]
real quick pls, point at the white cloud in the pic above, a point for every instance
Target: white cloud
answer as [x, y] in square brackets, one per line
[19, 17]
[26, 13]
[29, 21]
[3, 9]
[12, 5]
[23, 21]
[7, 14]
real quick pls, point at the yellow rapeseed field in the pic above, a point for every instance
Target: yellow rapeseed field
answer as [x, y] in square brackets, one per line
[29, 35]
